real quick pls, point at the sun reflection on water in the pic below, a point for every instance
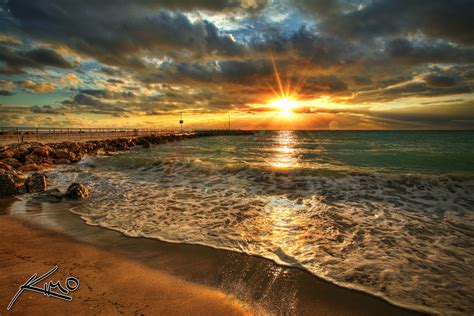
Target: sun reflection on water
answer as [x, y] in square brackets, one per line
[285, 155]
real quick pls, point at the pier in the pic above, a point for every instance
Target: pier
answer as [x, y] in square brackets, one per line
[16, 135]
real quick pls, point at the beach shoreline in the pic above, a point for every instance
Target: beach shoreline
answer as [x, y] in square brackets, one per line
[261, 284]
[108, 283]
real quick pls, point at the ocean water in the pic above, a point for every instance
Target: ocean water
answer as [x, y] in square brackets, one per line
[389, 213]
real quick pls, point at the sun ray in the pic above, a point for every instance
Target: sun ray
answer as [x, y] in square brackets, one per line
[277, 77]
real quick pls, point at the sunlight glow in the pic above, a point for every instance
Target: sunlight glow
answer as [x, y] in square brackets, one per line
[284, 104]
[285, 156]
[286, 95]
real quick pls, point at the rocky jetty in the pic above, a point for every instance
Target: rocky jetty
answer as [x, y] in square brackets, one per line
[17, 159]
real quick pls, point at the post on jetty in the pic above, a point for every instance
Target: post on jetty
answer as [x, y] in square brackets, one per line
[181, 122]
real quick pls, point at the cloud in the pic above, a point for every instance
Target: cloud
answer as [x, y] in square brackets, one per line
[115, 81]
[159, 57]
[15, 61]
[117, 33]
[7, 85]
[440, 80]
[446, 112]
[403, 50]
[111, 71]
[451, 20]
[70, 80]
[37, 87]
[45, 109]
[6, 93]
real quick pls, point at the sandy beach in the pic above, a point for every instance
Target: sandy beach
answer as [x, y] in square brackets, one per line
[109, 284]
[144, 276]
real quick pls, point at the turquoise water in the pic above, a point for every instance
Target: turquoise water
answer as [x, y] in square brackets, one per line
[384, 151]
[389, 213]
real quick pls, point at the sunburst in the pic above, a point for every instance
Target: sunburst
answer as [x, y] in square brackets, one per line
[286, 96]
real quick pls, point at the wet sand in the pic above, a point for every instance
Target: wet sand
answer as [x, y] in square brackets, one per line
[139, 275]
[109, 284]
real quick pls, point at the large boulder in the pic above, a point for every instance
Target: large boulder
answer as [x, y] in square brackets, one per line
[7, 185]
[42, 151]
[66, 154]
[77, 191]
[36, 183]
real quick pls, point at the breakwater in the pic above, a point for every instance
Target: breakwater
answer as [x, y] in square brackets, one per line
[16, 159]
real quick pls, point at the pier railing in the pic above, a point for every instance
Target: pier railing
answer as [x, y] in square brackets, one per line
[10, 135]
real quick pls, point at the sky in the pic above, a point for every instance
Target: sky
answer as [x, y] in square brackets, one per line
[281, 64]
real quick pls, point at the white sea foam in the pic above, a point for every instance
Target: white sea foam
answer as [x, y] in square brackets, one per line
[406, 238]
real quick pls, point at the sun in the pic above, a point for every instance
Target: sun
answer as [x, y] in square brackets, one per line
[286, 95]
[285, 104]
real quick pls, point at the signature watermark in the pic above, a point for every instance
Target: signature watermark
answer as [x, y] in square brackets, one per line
[71, 285]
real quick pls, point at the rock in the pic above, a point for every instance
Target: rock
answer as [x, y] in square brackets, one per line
[33, 158]
[55, 192]
[5, 166]
[42, 151]
[77, 191]
[36, 183]
[12, 162]
[44, 165]
[35, 166]
[22, 151]
[66, 154]
[7, 185]
[28, 167]
[21, 188]
[100, 152]
[146, 144]
[9, 153]
[53, 195]
[61, 161]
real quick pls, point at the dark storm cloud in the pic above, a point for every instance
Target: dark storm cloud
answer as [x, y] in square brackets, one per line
[86, 103]
[115, 81]
[402, 50]
[6, 93]
[45, 109]
[317, 85]
[360, 80]
[117, 33]
[107, 94]
[309, 47]
[431, 86]
[15, 61]
[440, 80]
[111, 71]
[212, 5]
[47, 57]
[222, 72]
[375, 51]
[452, 20]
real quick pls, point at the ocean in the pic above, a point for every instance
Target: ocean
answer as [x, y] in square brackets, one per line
[390, 213]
